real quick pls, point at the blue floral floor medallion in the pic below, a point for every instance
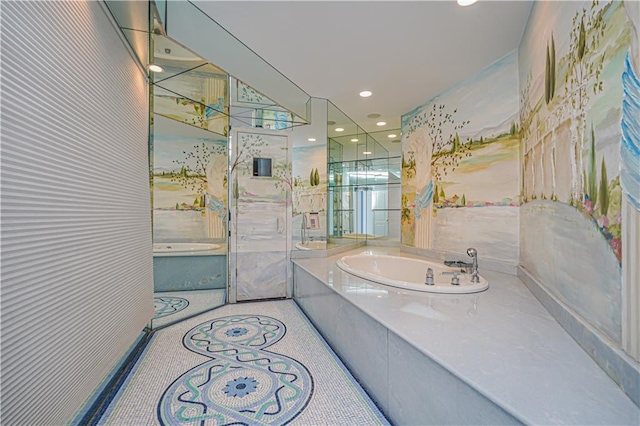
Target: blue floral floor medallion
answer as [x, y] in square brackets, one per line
[242, 384]
[165, 306]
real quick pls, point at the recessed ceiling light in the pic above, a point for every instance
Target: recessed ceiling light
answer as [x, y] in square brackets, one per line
[365, 93]
[339, 129]
[155, 68]
[381, 123]
[354, 140]
[367, 153]
[311, 139]
[466, 2]
[392, 136]
[374, 115]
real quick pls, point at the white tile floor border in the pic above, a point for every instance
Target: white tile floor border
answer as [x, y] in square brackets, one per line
[337, 398]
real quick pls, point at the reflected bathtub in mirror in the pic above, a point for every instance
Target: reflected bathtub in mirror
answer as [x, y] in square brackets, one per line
[312, 245]
[189, 278]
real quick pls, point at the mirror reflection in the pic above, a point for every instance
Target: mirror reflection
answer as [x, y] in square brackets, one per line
[386, 207]
[364, 183]
[189, 220]
[344, 138]
[251, 108]
[309, 171]
[345, 182]
[189, 181]
[193, 103]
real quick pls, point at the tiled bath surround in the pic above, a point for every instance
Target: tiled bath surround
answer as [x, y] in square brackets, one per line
[184, 273]
[500, 349]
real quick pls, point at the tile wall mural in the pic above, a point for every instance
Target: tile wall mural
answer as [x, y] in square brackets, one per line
[460, 167]
[189, 185]
[571, 60]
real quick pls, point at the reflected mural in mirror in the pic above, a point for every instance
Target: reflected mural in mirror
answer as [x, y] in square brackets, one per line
[309, 195]
[189, 220]
[189, 180]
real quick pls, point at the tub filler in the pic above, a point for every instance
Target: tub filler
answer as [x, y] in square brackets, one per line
[409, 273]
[189, 266]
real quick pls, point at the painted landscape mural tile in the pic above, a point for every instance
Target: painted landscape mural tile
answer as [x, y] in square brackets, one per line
[572, 57]
[460, 156]
[571, 109]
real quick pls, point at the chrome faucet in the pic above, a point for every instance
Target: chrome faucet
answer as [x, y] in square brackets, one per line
[454, 279]
[302, 228]
[473, 254]
[429, 278]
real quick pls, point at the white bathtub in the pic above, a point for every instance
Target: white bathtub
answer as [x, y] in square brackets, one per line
[408, 273]
[183, 249]
[312, 245]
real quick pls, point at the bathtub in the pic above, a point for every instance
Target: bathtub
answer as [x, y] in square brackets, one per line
[312, 245]
[408, 273]
[355, 236]
[183, 249]
[189, 266]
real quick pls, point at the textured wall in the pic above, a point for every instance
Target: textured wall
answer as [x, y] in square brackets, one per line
[76, 233]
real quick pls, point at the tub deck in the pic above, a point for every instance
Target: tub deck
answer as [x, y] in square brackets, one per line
[493, 357]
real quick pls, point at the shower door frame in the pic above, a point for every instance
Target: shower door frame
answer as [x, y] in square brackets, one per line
[233, 217]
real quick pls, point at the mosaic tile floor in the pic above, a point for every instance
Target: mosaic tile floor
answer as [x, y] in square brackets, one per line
[246, 364]
[172, 306]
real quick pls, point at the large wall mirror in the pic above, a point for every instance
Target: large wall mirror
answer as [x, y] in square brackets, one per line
[364, 183]
[188, 155]
[309, 171]
[194, 101]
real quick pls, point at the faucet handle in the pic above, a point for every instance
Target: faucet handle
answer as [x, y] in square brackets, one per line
[455, 280]
[429, 279]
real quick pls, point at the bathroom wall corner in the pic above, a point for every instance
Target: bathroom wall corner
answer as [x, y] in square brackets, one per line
[616, 363]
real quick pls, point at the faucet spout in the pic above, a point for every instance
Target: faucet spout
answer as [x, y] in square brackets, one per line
[302, 228]
[429, 278]
[473, 254]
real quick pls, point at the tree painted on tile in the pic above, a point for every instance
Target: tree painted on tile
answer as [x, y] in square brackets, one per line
[446, 148]
[192, 174]
[585, 63]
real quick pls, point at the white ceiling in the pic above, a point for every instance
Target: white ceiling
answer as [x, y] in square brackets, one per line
[404, 52]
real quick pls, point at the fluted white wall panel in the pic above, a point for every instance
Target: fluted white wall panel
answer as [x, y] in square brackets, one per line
[77, 281]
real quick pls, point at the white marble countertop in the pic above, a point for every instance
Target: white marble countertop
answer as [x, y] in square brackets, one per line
[502, 342]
